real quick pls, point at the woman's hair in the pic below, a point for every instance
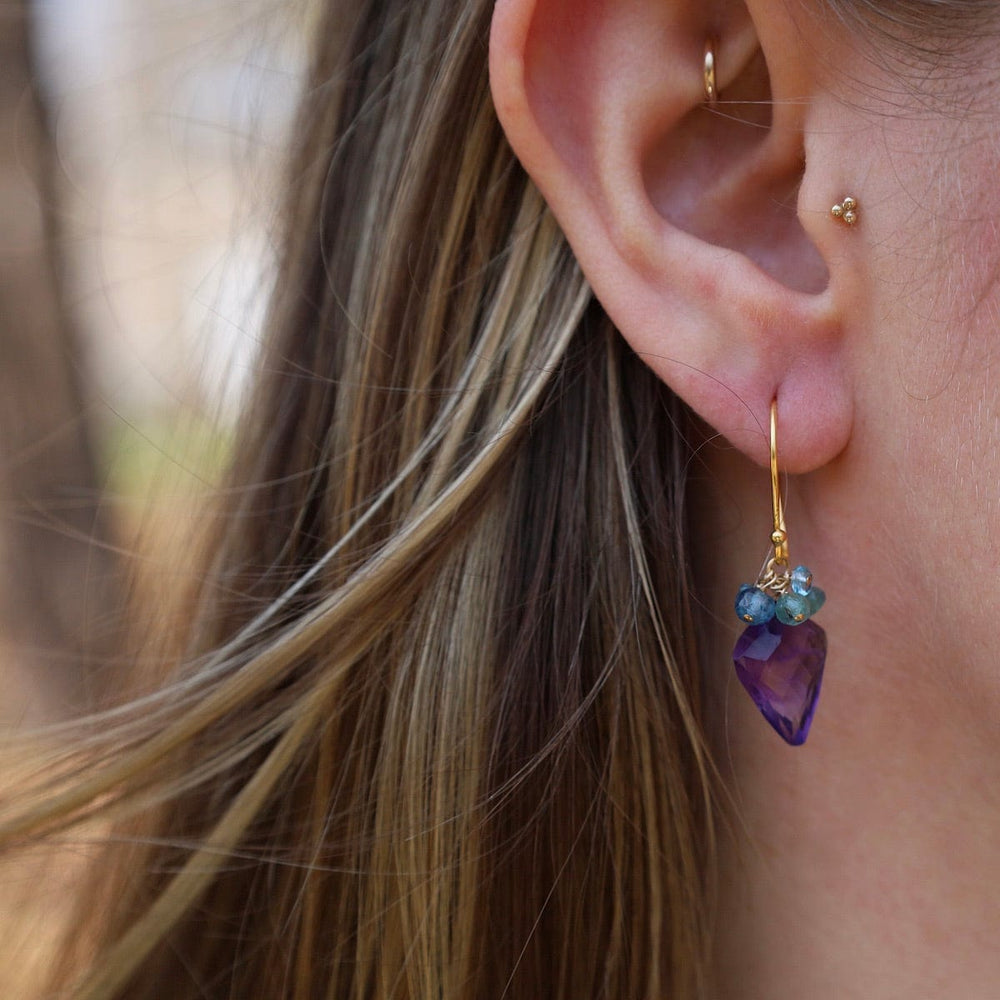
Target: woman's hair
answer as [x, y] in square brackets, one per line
[436, 732]
[436, 726]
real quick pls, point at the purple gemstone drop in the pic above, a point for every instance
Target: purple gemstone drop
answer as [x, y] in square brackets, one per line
[781, 666]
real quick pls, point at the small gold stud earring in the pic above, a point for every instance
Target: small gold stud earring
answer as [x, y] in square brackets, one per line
[846, 211]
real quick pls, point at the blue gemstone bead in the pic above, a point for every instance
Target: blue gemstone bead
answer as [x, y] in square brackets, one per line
[816, 598]
[792, 609]
[753, 606]
[802, 580]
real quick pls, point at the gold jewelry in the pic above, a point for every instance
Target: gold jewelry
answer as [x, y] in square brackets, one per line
[847, 211]
[779, 536]
[711, 90]
[780, 656]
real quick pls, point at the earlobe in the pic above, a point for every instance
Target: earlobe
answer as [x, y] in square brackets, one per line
[684, 216]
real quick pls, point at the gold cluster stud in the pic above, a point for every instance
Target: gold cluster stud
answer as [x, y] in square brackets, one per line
[846, 211]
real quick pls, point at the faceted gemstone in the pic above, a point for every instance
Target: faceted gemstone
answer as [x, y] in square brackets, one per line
[753, 605]
[792, 609]
[801, 580]
[781, 667]
[816, 598]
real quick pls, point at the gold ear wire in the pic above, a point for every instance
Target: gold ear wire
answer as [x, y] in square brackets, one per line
[779, 536]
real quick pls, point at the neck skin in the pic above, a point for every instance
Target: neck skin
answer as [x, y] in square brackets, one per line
[864, 863]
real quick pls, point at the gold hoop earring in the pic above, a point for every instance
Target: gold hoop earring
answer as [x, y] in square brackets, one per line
[780, 656]
[708, 73]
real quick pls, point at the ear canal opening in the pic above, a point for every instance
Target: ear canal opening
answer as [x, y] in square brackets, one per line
[727, 175]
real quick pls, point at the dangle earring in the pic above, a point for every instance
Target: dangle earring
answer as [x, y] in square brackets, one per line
[780, 656]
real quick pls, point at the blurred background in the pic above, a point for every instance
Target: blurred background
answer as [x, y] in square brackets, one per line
[141, 148]
[140, 160]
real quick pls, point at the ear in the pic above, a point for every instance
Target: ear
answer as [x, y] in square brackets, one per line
[691, 221]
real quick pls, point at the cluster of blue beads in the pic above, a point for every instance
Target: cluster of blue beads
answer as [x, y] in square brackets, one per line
[756, 607]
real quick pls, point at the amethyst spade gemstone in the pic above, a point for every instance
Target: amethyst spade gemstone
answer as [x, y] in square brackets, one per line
[781, 666]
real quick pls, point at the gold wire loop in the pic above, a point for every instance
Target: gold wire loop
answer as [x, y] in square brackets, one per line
[779, 537]
[711, 90]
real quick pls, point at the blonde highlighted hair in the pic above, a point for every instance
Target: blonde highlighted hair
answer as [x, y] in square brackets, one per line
[434, 728]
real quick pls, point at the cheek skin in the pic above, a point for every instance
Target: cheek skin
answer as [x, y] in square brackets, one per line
[917, 282]
[905, 528]
[927, 363]
[934, 290]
